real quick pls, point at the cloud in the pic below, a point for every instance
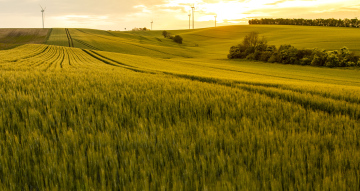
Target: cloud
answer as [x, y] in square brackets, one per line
[276, 2]
[167, 14]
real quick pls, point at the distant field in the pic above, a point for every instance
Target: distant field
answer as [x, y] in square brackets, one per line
[136, 111]
[213, 42]
[10, 38]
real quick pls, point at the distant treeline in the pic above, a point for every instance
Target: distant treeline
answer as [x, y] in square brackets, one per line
[140, 29]
[308, 22]
[254, 48]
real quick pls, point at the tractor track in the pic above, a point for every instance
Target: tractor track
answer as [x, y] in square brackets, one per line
[70, 40]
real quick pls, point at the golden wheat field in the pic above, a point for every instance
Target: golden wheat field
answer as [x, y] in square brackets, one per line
[84, 109]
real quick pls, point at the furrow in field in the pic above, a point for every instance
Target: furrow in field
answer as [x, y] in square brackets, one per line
[23, 53]
[285, 87]
[107, 58]
[63, 53]
[86, 44]
[39, 59]
[307, 101]
[286, 77]
[70, 40]
[112, 62]
[57, 63]
[50, 62]
[72, 58]
[83, 60]
[49, 59]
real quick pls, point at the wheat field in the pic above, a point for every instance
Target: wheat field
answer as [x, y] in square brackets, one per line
[135, 111]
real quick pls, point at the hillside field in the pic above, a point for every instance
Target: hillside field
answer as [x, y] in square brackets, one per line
[84, 109]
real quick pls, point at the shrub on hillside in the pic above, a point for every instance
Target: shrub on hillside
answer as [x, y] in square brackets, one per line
[318, 57]
[305, 61]
[178, 39]
[332, 59]
[165, 34]
[250, 44]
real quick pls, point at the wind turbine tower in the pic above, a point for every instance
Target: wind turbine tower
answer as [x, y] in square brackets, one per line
[42, 12]
[151, 24]
[215, 20]
[193, 16]
[189, 20]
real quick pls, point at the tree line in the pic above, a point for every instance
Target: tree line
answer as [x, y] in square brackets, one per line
[255, 48]
[308, 22]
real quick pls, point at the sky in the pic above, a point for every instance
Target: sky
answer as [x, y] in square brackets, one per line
[165, 14]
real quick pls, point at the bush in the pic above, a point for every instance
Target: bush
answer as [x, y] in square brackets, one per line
[249, 50]
[273, 58]
[316, 61]
[257, 55]
[305, 61]
[237, 52]
[288, 54]
[251, 40]
[271, 48]
[250, 57]
[178, 39]
[350, 64]
[332, 60]
[165, 34]
[318, 58]
[250, 43]
[304, 53]
[265, 56]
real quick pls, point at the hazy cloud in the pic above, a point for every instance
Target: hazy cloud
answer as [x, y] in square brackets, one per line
[167, 14]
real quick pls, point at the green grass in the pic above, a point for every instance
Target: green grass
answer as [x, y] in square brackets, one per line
[135, 111]
[11, 38]
[213, 43]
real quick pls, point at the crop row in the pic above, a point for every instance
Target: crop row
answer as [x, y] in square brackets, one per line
[48, 58]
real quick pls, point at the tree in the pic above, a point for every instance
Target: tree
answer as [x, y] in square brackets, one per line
[178, 39]
[251, 39]
[165, 34]
[250, 45]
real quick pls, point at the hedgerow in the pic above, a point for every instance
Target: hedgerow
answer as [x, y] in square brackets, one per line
[254, 48]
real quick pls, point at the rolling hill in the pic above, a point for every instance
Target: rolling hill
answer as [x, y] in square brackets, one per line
[84, 109]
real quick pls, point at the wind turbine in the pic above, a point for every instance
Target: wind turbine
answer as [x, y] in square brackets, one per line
[42, 11]
[189, 19]
[193, 17]
[152, 23]
[215, 20]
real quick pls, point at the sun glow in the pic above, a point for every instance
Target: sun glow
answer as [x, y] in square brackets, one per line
[236, 11]
[224, 11]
